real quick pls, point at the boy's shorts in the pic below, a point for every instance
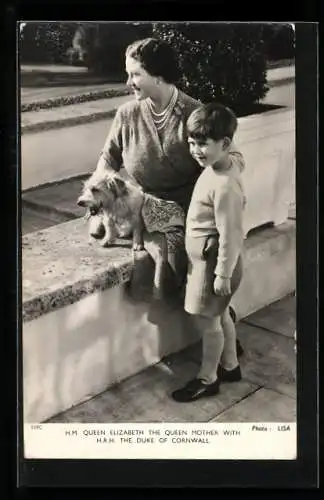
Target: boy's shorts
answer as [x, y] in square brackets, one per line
[200, 296]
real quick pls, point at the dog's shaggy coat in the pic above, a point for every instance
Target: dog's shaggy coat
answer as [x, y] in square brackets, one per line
[119, 208]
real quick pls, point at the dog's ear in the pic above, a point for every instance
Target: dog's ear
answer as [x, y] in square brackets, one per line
[110, 185]
[121, 187]
[116, 186]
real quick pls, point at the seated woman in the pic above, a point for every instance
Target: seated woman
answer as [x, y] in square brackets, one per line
[148, 134]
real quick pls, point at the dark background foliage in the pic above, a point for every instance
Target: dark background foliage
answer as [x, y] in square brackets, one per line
[225, 62]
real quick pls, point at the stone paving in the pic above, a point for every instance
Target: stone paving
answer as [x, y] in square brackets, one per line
[267, 392]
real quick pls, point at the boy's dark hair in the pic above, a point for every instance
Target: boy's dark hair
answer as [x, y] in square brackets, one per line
[157, 58]
[212, 121]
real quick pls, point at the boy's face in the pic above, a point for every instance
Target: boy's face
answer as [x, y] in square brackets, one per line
[208, 151]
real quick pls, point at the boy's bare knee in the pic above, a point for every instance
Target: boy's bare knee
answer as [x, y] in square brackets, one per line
[225, 316]
[208, 323]
[217, 322]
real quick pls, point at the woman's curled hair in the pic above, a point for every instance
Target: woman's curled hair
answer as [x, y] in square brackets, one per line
[157, 57]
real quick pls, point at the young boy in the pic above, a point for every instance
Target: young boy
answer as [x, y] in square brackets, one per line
[214, 243]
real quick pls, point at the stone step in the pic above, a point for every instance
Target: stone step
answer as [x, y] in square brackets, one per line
[77, 87]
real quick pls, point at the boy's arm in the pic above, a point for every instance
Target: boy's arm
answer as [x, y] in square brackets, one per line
[111, 154]
[228, 209]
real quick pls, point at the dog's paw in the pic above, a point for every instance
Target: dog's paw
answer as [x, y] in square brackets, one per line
[96, 227]
[99, 234]
[106, 243]
[137, 247]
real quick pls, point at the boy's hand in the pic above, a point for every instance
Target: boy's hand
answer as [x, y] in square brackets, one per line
[210, 243]
[222, 286]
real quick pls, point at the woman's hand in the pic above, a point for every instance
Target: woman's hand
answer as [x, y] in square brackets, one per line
[138, 230]
[138, 246]
[222, 286]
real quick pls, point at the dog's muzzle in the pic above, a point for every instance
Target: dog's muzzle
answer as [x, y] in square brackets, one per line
[93, 209]
[81, 202]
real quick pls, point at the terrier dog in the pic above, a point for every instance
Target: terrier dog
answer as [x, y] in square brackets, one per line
[119, 208]
[115, 205]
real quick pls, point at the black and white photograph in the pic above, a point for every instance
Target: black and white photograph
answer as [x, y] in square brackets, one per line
[139, 140]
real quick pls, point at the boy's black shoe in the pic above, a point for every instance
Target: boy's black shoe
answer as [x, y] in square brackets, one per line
[229, 375]
[195, 389]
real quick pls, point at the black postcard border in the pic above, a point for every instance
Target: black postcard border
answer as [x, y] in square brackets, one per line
[301, 473]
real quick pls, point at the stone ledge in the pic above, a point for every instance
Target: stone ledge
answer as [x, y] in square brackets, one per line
[61, 265]
[269, 268]
[283, 81]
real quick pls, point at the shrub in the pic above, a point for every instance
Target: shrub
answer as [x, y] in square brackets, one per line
[223, 62]
[109, 42]
[45, 42]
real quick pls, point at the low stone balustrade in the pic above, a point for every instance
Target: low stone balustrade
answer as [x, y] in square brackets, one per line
[267, 142]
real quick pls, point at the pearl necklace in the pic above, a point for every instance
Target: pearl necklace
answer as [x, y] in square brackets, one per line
[160, 119]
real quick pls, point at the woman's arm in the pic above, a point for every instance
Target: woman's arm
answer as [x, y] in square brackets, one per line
[236, 156]
[111, 154]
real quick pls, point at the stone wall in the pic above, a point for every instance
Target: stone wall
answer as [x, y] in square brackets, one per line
[83, 331]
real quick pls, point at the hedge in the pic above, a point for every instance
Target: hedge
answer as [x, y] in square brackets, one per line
[223, 62]
[45, 42]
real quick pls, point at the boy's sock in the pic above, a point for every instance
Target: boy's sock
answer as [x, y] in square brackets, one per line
[229, 359]
[232, 314]
[213, 343]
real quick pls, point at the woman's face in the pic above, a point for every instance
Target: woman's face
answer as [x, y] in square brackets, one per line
[141, 82]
